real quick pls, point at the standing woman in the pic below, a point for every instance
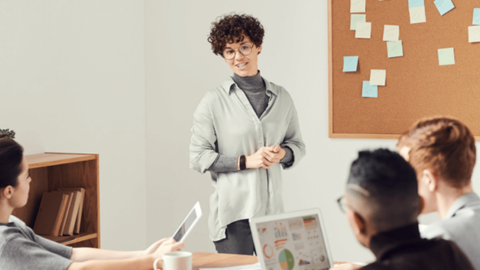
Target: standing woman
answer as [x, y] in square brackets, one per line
[243, 132]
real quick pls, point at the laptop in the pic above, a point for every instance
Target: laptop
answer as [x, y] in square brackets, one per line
[291, 241]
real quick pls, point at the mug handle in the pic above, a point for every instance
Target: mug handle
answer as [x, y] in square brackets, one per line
[155, 263]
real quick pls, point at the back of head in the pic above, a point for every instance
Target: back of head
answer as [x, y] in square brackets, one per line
[384, 185]
[11, 156]
[444, 145]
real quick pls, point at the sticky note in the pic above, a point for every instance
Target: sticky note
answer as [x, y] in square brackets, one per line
[476, 16]
[357, 6]
[444, 6]
[391, 33]
[415, 3]
[350, 63]
[369, 90]
[417, 15]
[446, 57]
[378, 76]
[364, 30]
[473, 34]
[395, 48]
[354, 18]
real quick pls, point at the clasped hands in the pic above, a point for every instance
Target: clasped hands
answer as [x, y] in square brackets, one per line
[265, 157]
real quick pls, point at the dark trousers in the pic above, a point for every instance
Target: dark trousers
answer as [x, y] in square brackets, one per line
[238, 239]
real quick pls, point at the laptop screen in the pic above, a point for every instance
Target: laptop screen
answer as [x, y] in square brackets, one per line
[293, 243]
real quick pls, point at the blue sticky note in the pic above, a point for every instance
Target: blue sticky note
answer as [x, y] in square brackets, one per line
[369, 90]
[350, 63]
[444, 6]
[476, 16]
[415, 3]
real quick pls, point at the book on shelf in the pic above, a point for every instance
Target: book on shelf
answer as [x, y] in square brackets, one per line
[68, 213]
[50, 214]
[79, 195]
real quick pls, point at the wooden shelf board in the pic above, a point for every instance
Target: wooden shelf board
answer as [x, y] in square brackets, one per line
[69, 240]
[52, 159]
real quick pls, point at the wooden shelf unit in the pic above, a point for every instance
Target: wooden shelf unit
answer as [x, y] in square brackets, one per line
[50, 171]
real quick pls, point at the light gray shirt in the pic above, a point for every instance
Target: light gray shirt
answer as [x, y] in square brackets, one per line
[21, 248]
[462, 226]
[256, 93]
[225, 123]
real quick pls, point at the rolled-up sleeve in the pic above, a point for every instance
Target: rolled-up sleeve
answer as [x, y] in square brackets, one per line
[293, 140]
[202, 144]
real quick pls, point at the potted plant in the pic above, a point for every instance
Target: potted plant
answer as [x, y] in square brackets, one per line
[7, 133]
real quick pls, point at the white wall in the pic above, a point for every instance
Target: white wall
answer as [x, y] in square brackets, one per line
[122, 79]
[72, 79]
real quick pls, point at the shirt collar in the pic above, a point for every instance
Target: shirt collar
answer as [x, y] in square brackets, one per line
[460, 203]
[385, 243]
[229, 83]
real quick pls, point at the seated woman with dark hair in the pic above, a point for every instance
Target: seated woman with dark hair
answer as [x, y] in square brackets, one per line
[21, 248]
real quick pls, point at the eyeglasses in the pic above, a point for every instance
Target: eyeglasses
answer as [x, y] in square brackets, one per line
[245, 50]
[342, 204]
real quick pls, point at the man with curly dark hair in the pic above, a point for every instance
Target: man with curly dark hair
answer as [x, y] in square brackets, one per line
[243, 133]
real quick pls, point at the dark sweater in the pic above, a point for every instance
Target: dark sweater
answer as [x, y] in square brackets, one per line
[403, 248]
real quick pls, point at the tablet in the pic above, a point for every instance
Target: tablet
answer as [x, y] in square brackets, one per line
[188, 224]
[291, 241]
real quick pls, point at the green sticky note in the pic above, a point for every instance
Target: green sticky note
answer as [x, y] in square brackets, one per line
[354, 18]
[395, 48]
[446, 57]
[368, 90]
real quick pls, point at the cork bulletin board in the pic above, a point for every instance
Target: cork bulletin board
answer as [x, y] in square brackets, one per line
[416, 85]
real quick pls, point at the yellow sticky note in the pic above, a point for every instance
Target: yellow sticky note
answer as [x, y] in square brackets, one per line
[364, 30]
[357, 6]
[391, 33]
[378, 77]
[473, 34]
[417, 15]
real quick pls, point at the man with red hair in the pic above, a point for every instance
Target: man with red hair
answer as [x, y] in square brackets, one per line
[442, 152]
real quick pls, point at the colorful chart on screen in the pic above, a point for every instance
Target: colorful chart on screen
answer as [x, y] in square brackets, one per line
[295, 243]
[286, 260]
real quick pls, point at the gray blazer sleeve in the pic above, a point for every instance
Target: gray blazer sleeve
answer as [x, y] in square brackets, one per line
[293, 140]
[202, 144]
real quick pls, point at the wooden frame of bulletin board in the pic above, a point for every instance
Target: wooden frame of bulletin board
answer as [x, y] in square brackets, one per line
[416, 85]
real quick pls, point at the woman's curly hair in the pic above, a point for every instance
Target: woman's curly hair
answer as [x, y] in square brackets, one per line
[230, 27]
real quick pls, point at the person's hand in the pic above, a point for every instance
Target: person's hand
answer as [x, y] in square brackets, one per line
[265, 157]
[258, 160]
[346, 266]
[275, 154]
[151, 249]
[168, 245]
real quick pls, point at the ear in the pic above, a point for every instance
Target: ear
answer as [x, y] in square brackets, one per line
[259, 49]
[360, 225]
[430, 179]
[405, 153]
[7, 192]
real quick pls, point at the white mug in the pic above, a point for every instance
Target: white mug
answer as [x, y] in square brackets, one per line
[181, 260]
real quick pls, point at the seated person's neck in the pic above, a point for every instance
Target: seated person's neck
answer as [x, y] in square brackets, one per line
[447, 195]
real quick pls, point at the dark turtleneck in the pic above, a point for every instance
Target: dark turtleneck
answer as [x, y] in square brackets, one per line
[255, 90]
